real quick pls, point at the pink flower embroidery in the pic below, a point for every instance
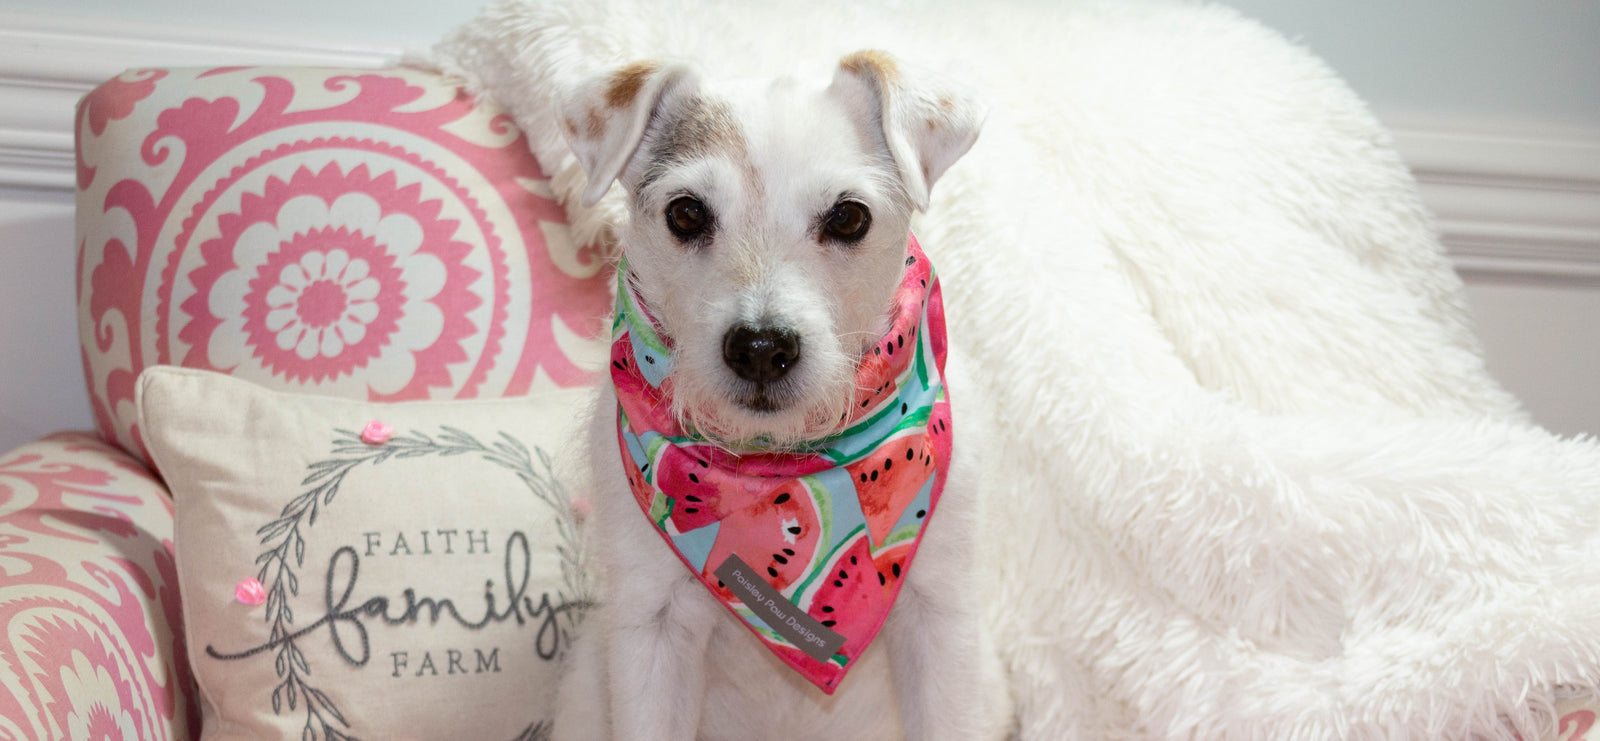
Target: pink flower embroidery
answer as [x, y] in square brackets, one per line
[376, 433]
[581, 509]
[250, 592]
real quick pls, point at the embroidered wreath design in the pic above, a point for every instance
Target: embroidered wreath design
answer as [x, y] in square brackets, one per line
[286, 543]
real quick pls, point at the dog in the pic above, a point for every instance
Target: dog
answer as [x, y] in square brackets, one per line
[766, 233]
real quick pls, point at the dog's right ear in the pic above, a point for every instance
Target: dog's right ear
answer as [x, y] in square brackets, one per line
[606, 116]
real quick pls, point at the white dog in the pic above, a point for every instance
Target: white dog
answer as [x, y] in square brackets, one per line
[767, 236]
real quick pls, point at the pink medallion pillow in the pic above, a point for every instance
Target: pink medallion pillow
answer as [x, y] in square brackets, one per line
[352, 569]
[369, 234]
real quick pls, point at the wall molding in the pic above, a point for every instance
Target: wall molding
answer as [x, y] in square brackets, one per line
[1509, 205]
[47, 62]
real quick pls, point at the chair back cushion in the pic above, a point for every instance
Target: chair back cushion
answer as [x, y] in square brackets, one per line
[370, 234]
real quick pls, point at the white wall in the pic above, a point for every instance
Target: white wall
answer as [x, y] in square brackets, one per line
[41, 373]
[1486, 63]
[1496, 106]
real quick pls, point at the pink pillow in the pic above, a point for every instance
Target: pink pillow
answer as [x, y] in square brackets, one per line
[371, 234]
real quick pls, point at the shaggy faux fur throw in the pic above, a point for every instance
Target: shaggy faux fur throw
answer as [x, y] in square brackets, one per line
[1253, 479]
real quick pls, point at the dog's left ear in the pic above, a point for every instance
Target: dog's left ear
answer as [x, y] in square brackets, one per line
[925, 124]
[605, 117]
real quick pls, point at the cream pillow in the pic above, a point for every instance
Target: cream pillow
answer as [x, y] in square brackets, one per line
[424, 586]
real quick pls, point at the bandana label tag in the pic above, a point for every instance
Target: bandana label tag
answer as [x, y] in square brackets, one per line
[781, 615]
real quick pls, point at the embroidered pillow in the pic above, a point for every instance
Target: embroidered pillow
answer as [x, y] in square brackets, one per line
[352, 569]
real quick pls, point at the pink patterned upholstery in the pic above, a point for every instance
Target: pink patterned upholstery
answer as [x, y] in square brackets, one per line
[92, 642]
[373, 234]
[358, 233]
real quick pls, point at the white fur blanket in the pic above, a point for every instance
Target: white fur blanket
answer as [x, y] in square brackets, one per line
[1254, 480]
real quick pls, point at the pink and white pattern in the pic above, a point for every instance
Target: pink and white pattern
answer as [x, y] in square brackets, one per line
[366, 234]
[93, 641]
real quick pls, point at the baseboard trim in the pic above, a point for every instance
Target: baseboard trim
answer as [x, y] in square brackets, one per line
[1508, 204]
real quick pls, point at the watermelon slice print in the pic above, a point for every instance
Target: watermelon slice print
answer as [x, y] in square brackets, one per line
[780, 536]
[855, 591]
[889, 478]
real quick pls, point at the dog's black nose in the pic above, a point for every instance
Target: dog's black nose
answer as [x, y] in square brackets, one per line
[760, 354]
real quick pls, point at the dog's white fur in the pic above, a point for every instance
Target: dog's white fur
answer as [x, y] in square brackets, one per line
[769, 158]
[1253, 479]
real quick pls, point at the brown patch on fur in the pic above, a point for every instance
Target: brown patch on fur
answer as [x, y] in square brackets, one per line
[626, 83]
[571, 125]
[872, 62]
[596, 124]
[698, 128]
[708, 126]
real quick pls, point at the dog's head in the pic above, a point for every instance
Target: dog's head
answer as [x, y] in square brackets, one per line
[768, 223]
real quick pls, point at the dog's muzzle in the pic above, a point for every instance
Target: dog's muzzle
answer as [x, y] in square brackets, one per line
[761, 355]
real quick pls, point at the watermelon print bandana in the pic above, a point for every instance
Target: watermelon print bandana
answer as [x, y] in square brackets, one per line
[807, 548]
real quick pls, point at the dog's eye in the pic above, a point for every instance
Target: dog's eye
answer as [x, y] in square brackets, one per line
[687, 218]
[847, 222]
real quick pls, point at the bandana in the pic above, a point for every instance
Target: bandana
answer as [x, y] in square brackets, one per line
[808, 548]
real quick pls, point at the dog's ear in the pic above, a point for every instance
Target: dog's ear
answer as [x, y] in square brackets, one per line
[925, 124]
[605, 117]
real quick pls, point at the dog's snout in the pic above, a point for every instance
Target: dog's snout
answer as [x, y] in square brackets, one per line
[760, 354]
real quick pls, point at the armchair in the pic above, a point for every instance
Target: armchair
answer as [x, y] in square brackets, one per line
[371, 234]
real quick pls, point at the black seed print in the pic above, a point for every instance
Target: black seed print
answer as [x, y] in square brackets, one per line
[903, 407]
[896, 569]
[891, 348]
[649, 360]
[838, 583]
[780, 558]
[788, 551]
[921, 513]
[877, 351]
[691, 510]
[887, 463]
[874, 475]
[910, 259]
[772, 571]
[693, 498]
[900, 340]
[863, 477]
[703, 464]
[794, 529]
[720, 584]
[644, 468]
[852, 560]
[784, 497]
[827, 608]
[881, 580]
[844, 574]
[617, 365]
[909, 454]
[829, 623]
[923, 281]
[694, 478]
[864, 403]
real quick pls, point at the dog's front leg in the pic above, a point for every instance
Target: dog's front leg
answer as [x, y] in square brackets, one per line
[935, 640]
[662, 623]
